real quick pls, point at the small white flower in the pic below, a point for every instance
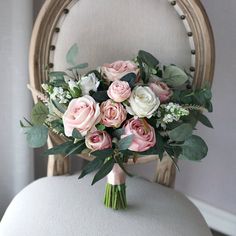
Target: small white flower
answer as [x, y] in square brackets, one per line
[88, 83]
[72, 84]
[173, 112]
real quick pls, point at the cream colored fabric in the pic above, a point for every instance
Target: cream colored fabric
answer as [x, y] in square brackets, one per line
[108, 30]
[65, 206]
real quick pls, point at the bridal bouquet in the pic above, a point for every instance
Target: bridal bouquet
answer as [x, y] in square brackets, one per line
[122, 110]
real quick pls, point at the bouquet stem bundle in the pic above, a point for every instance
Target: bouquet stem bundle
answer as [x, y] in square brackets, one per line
[115, 196]
[115, 193]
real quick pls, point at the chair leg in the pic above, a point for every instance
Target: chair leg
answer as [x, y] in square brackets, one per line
[166, 172]
[57, 164]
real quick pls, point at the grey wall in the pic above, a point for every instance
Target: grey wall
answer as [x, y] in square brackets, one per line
[16, 162]
[214, 180]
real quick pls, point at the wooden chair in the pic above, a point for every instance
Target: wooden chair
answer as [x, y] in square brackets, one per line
[107, 30]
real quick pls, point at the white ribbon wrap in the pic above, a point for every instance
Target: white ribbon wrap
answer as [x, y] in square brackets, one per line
[117, 176]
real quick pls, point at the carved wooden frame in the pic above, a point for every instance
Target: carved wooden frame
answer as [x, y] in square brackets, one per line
[192, 11]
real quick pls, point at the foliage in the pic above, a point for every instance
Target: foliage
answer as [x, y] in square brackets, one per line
[173, 122]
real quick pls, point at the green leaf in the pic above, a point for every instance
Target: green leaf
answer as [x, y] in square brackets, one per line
[194, 148]
[36, 135]
[101, 127]
[72, 54]
[181, 133]
[104, 171]
[142, 71]
[204, 120]
[148, 58]
[118, 132]
[174, 76]
[22, 125]
[60, 107]
[57, 74]
[125, 143]
[79, 66]
[92, 166]
[103, 153]
[57, 78]
[100, 96]
[120, 163]
[77, 148]
[76, 134]
[39, 113]
[160, 145]
[76, 92]
[59, 149]
[209, 106]
[150, 151]
[130, 78]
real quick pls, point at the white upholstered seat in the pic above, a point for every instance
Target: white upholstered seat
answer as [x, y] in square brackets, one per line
[64, 206]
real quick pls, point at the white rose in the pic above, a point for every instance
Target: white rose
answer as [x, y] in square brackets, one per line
[89, 82]
[143, 102]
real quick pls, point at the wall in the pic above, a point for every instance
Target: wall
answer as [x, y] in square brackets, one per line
[16, 162]
[213, 180]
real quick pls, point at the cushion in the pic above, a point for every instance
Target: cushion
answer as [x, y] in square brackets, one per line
[66, 206]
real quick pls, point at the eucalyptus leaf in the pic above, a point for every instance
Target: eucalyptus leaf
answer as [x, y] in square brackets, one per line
[57, 74]
[148, 58]
[142, 71]
[71, 55]
[60, 107]
[125, 143]
[100, 96]
[130, 78]
[174, 76]
[36, 135]
[39, 113]
[118, 132]
[79, 66]
[92, 166]
[104, 171]
[181, 133]
[194, 148]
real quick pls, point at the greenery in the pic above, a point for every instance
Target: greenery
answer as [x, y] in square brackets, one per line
[173, 122]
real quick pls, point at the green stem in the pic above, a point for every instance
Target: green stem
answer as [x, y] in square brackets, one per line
[115, 196]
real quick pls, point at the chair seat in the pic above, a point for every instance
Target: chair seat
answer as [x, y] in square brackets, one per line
[66, 206]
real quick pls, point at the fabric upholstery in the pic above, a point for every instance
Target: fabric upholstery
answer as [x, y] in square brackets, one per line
[109, 30]
[65, 206]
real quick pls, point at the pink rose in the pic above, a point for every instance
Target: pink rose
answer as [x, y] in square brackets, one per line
[161, 90]
[98, 140]
[118, 69]
[119, 91]
[143, 134]
[112, 114]
[82, 114]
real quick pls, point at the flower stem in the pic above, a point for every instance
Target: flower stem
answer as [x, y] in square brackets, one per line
[115, 196]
